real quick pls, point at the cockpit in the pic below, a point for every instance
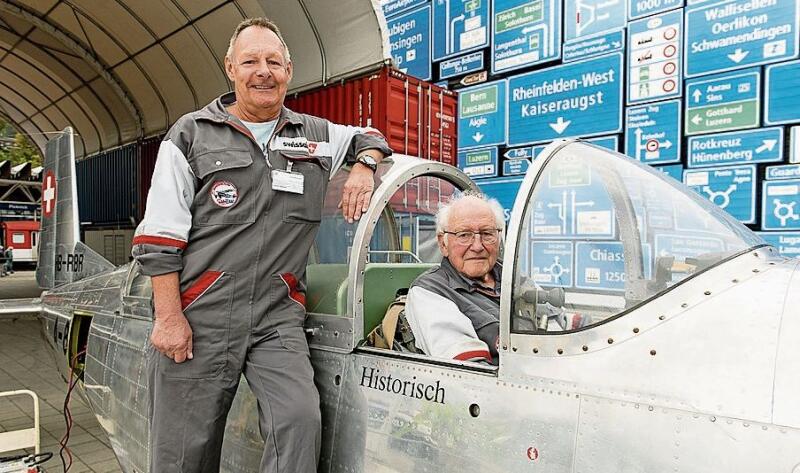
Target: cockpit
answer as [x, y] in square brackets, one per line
[592, 235]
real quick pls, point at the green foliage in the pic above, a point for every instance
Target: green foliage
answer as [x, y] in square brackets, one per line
[16, 147]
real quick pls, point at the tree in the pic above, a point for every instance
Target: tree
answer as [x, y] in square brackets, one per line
[16, 147]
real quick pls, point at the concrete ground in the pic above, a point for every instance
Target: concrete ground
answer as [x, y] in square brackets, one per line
[19, 285]
[26, 364]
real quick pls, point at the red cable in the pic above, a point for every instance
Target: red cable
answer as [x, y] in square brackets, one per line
[68, 415]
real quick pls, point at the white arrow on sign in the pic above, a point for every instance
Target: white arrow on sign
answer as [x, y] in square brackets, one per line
[666, 144]
[738, 55]
[477, 137]
[766, 145]
[560, 125]
[696, 119]
[696, 95]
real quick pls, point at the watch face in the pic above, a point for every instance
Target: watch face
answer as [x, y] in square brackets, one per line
[368, 161]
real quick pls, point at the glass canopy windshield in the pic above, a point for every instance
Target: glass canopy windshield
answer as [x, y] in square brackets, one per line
[602, 233]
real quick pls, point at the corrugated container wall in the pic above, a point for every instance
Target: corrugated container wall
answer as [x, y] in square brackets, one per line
[416, 117]
[148, 151]
[107, 192]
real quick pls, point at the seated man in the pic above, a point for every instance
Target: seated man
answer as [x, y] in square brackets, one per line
[454, 309]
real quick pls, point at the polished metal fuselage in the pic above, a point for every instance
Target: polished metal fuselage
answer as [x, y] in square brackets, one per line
[702, 378]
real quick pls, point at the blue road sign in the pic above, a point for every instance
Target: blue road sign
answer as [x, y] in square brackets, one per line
[608, 142]
[393, 7]
[601, 265]
[409, 36]
[482, 115]
[732, 188]
[461, 65]
[686, 245]
[640, 8]
[794, 142]
[787, 243]
[789, 171]
[569, 201]
[723, 102]
[654, 57]
[594, 46]
[503, 189]
[525, 32]
[762, 145]
[740, 33]
[552, 263]
[780, 205]
[519, 153]
[478, 162]
[783, 101]
[674, 171]
[653, 132]
[515, 167]
[577, 99]
[591, 17]
[459, 26]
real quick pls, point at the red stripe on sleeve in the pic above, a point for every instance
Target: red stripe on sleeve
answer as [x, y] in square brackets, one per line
[201, 285]
[469, 355]
[157, 240]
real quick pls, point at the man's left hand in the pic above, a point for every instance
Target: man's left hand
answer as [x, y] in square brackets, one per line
[357, 192]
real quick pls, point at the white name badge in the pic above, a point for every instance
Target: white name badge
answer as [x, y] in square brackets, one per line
[287, 181]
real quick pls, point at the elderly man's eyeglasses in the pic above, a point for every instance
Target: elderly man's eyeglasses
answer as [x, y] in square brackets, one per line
[466, 237]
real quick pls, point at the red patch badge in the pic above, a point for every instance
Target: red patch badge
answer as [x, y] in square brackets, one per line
[312, 146]
[224, 194]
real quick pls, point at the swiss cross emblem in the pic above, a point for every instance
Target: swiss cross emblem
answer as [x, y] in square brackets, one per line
[312, 147]
[49, 194]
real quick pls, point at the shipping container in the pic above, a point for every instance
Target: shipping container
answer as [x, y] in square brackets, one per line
[417, 118]
[107, 187]
[148, 151]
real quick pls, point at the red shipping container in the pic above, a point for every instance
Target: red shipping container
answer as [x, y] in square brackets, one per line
[416, 117]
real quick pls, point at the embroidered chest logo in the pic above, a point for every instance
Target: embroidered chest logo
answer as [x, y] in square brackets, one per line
[224, 194]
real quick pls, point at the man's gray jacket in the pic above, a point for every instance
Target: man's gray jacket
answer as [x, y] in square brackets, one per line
[212, 214]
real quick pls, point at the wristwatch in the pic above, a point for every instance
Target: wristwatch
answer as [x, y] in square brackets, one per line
[367, 161]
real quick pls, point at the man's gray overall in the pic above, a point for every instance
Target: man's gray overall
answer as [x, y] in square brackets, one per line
[241, 251]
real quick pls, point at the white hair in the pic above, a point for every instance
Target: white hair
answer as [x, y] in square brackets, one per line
[443, 215]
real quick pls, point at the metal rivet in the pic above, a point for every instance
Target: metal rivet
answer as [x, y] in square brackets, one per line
[610, 341]
[708, 293]
[218, 163]
[536, 350]
[636, 330]
[755, 270]
[713, 419]
[336, 333]
[505, 347]
[685, 305]
[661, 317]
[585, 348]
[560, 351]
[653, 352]
[474, 410]
[514, 348]
[734, 281]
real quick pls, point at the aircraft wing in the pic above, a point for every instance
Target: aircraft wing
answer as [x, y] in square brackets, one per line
[20, 307]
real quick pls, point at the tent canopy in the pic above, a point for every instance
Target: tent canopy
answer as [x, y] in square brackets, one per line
[120, 70]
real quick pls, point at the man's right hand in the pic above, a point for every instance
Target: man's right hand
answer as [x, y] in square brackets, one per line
[172, 336]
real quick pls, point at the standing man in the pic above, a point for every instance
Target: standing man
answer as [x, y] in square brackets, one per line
[235, 203]
[10, 259]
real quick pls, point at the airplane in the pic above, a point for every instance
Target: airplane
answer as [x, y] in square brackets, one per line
[674, 345]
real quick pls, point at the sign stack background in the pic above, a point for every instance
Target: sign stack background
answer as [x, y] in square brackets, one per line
[708, 91]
